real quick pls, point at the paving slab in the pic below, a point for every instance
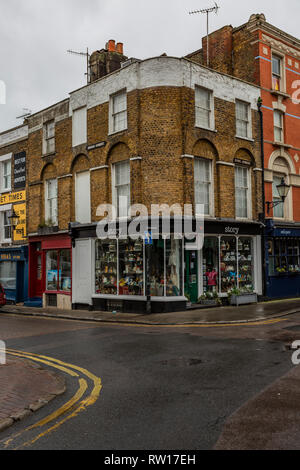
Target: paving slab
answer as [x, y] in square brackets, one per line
[24, 388]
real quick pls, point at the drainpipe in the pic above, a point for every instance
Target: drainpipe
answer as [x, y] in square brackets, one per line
[262, 216]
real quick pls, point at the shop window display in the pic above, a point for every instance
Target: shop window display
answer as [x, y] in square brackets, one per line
[131, 267]
[246, 267]
[65, 270]
[174, 268]
[210, 264]
[284, 256]
[106, 267]
[8, 274]
[228, 263]
[157, 272]
[51, 270]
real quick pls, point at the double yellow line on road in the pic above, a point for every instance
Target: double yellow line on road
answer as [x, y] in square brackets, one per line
[74, 406]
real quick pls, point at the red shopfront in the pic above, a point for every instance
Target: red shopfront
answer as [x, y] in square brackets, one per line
[50, 270]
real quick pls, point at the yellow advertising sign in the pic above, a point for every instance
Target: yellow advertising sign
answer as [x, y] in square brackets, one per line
[20, 232]
[11, 198]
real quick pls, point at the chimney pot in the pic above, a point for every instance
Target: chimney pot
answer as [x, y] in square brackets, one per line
[120, 48]
[111, 45]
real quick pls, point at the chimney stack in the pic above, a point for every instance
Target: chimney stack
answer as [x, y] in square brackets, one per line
[106, 60]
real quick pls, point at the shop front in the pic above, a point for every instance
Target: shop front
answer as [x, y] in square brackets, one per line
[50, 268]
[125, 274]
[283, 260]
[229, 260]
[14, 273]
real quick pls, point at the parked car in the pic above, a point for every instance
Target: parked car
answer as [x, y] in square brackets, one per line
[2, 296]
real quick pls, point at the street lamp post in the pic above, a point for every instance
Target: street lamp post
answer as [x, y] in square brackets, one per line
[14, 220]
[283, 190]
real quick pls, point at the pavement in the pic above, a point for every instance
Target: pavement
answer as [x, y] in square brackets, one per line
[216, 315]
[25, 388]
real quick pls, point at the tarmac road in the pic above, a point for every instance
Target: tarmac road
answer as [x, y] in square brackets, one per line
[149, 388]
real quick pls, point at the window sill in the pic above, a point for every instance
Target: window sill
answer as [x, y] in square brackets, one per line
[249, 139]
[112, 133]
[206, 128]
[280, 93]
[50, 154]
[281, 144]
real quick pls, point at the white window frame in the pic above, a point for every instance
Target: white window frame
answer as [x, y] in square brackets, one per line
[5, 209]
[115, 187]
[281, 77]
[3, 160]
[48, 141]
[112, 114]
[48, 216]
[79, 120]
[199, 108]
[209, 183]
[281, 128]
[248, 121]
[249, 192]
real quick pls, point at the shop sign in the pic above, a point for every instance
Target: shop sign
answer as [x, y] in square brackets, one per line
[10, 257]
[286, 233]
[232, 230]
[20, 170]
[11, 198]
[20, 231]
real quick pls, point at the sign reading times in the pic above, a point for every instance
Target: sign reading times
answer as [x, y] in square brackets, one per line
[12, 198]
[20, 170]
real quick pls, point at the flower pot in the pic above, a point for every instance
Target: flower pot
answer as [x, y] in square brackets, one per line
[243, 299]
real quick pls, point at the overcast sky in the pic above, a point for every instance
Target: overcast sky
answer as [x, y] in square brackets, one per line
[35, 35]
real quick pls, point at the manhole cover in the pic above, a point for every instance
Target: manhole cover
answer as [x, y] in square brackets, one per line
[182, 362]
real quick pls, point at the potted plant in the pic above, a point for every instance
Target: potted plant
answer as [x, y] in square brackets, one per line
[242, 297]
[210, 298]
[281, 271]
[47, 227]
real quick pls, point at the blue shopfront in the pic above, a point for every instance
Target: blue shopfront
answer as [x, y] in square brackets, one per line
[282, 260]
[14, 273]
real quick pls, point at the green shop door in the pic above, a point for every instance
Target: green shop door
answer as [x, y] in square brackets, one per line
[191, 276]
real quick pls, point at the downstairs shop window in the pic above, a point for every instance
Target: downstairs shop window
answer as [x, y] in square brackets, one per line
[58, 271]
[284, 256]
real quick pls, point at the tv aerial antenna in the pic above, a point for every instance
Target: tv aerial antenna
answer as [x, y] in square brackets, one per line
[26, 113]
[206, 11]
[83, 54]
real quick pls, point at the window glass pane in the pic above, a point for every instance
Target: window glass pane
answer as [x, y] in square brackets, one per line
[245, 264]
[51, 271]
[276, 65]
[156, 268]
[65, 270]
[6, 225]
[106, 267]
[228, 264]
[8, 274]
[241, 191]
[203, 183]
[211, 265]
[203, 107]
[174, 267]
[131, 267]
